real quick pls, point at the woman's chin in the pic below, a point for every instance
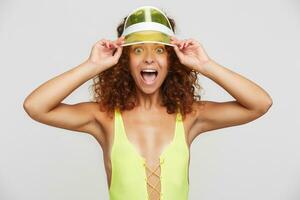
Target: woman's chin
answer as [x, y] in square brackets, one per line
[148, 88]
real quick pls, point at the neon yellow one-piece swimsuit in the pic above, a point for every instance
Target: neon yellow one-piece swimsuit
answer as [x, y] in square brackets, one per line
[129, 179]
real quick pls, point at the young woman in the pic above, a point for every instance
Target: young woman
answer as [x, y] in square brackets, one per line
[146, 112]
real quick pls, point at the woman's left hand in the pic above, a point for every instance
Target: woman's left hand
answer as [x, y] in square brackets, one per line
[190, 53]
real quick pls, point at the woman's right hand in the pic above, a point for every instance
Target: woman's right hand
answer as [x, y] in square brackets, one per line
[106, 53]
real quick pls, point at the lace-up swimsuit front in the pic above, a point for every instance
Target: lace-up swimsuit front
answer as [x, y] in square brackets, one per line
[130, 178]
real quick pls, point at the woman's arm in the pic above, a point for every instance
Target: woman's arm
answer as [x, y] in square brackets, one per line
[44, 103]
[247, 93]
[251, 100]
[48, 95]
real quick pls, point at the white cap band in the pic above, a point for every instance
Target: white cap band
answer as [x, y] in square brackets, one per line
[147, 26]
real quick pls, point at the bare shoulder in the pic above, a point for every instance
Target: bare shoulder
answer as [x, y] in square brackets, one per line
[198, 108]
[89, 112]
[202, 108]
[101, 124]
[195, 120]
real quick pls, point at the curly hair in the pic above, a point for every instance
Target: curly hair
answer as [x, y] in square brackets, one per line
[115, 88]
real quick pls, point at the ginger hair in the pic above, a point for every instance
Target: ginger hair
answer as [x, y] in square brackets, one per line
[115, 88]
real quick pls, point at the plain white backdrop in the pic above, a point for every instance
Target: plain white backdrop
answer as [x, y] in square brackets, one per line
[259, 39]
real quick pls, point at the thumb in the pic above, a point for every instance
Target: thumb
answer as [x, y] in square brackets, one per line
[178, 52]
[118, 52]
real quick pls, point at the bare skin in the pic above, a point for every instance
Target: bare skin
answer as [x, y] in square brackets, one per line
[144, 131]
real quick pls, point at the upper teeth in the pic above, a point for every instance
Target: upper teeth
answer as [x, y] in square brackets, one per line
[149, 70]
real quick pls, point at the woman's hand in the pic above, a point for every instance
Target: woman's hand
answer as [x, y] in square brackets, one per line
[190, 53]
[106, 53]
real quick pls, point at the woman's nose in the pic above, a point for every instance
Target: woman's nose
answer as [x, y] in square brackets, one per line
[149, 58]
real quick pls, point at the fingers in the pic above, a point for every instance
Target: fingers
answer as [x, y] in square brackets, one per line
[103, 43]
[188, 42]
[182, 43]
[120, 40]
[175, 41]
[117, 44]
[111, 44]
[118, 53]
[185, 43]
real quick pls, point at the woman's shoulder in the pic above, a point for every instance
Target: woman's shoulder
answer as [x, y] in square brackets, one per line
[198, 109]
[101, 125]
[198, 106]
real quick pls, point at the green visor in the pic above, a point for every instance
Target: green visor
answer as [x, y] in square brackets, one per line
[147, 24]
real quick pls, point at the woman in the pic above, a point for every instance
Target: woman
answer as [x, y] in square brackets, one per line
[147, 112]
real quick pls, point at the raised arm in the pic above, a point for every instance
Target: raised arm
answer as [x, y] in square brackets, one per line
[251, 100]
[45, 105]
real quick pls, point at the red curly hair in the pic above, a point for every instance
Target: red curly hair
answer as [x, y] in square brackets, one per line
[115, 88]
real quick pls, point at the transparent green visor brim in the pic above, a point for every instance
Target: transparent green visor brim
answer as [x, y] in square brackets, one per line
[147, 14]
[147, 37]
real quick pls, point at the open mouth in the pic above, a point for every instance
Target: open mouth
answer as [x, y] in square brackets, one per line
[149, 75]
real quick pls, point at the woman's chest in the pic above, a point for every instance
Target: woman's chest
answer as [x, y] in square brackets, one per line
[145, 137]
[148, 135]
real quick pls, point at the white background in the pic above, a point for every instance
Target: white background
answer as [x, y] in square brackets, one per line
[259, 39]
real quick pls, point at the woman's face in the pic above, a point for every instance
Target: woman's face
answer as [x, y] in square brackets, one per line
[148, 65]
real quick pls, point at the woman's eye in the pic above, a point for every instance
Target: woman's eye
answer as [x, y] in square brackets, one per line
[138, 50]
[160, 50]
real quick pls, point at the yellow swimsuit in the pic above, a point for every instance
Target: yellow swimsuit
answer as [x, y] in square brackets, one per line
[129, 179]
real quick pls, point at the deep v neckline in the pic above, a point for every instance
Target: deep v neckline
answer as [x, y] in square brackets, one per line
[135, 149]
